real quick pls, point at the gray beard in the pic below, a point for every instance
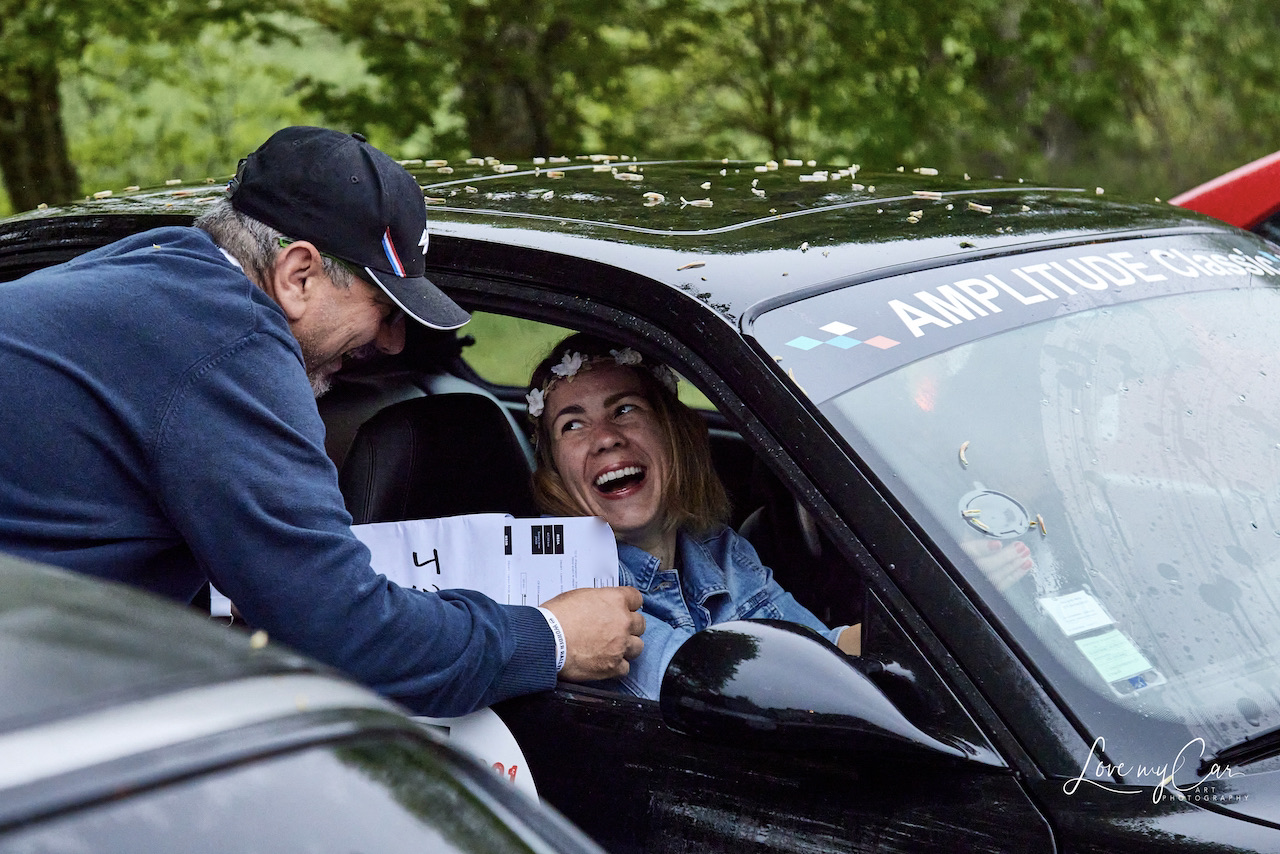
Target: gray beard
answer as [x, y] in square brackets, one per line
[319, 384]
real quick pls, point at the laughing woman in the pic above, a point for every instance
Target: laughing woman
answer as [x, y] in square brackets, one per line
[614, 441]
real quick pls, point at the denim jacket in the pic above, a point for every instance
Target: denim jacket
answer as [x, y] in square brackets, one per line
[718, 578]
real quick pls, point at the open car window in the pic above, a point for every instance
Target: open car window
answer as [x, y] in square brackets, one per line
[506, 348]
[763, 510]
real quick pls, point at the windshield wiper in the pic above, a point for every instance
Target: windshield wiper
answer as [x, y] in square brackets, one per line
[1264, 745]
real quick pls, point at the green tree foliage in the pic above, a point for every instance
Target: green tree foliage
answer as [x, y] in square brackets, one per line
[1130, 93]
[143, 113]
[1134, 93]
[40, 40]
[1143, 96]
[497, 77]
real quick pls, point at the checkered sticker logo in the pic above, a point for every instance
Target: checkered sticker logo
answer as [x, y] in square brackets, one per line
[839, 337]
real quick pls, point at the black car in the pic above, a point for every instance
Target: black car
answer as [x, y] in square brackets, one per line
[903, 373]
[131, 724]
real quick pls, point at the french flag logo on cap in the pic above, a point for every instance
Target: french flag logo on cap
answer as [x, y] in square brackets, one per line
[389, 248]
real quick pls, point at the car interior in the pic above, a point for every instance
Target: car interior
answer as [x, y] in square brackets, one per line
[423, 435]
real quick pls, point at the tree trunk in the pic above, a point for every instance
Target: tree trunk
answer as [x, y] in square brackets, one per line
[35, 162]
[494, 80]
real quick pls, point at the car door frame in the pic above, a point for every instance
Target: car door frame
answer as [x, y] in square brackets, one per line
[582, 744]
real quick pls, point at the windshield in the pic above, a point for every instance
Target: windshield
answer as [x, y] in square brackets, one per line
[1106, 478]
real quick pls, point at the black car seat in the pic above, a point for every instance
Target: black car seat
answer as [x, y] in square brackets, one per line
[430, 364]
[357, 398]
[438, 455]
[804, 562]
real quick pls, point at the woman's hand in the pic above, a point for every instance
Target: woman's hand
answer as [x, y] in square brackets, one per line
[850, 640]
[1003, 564]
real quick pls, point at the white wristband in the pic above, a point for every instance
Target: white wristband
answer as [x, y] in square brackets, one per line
[562, 650]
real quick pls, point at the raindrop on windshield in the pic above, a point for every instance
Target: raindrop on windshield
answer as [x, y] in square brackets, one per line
[1250, 711]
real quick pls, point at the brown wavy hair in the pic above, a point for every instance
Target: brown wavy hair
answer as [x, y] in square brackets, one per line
[695, 499]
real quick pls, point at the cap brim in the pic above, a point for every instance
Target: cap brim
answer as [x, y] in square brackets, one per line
[421, 300]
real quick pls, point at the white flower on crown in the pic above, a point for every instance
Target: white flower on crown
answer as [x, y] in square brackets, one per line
[573, 362]
[626, 356]
[667, 377]
[569, 365]
[536, 402]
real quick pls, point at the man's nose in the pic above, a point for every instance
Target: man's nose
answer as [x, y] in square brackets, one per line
[390, 338]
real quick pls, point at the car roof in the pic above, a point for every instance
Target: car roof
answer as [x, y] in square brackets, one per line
[768, 232]
[70, 644]
[729, 234]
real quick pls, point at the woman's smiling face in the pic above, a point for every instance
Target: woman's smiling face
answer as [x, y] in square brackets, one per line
[610, 450]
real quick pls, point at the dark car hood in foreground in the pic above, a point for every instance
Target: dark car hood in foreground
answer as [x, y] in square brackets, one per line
[69, 644]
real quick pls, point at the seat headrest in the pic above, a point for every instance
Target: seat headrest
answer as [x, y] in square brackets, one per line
[440, 455]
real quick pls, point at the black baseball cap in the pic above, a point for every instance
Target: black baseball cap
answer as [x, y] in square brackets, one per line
[353, 202]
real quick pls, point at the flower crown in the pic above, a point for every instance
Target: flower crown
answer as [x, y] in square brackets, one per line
[575, 361]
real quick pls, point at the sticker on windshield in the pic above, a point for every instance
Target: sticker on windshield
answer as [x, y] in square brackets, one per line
[1113, 655]
[1076, 613]
[839, 337]
[994, 514]
[818, 340]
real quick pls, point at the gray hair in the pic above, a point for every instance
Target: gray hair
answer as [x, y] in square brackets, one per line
[255, 244]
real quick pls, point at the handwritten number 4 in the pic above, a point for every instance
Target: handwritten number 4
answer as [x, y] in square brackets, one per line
[435, 558]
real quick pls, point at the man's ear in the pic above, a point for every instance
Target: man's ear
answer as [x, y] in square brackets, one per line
[295, 277]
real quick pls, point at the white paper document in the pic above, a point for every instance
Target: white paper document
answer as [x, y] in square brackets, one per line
[512, 561]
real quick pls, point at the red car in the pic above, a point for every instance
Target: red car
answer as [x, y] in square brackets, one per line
[1248, 197]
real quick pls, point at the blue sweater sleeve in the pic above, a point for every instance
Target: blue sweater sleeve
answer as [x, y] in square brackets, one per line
[242, 473]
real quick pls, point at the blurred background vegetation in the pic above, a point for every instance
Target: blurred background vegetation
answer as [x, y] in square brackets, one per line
[1145, 97]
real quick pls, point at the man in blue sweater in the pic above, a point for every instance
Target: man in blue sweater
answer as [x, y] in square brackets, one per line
[160, 429]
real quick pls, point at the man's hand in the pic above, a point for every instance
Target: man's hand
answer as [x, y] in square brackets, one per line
[601, 631]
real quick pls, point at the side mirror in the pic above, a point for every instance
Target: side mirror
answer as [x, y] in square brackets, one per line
[780, 686]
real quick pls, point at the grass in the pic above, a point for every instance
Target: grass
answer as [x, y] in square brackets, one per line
[507, 349]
